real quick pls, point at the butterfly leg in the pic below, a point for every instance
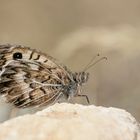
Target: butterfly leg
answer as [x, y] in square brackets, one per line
[85, 96]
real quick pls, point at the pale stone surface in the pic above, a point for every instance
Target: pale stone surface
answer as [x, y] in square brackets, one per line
[72, 122]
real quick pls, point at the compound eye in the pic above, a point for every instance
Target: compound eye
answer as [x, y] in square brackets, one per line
[17, 55]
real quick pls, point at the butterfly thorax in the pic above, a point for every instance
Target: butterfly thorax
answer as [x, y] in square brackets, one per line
[74, 87]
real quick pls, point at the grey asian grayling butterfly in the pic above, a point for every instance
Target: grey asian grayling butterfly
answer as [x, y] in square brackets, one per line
[31, 78]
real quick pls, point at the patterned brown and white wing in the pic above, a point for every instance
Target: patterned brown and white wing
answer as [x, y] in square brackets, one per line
[30, 78]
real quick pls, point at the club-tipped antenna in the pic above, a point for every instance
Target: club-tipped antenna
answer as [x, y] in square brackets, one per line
[91, 65]
[94, 57]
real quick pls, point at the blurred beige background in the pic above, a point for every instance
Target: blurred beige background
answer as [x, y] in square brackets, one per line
[73, 31]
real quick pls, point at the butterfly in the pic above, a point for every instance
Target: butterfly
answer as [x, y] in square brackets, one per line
[30, 78]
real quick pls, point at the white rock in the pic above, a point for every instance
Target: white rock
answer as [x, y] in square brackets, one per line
[72, 122]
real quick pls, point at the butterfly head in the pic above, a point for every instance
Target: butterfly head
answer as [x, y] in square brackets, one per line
[80, 78]
[74, 88]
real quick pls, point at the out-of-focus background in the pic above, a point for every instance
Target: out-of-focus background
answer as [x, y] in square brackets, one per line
[73, 31]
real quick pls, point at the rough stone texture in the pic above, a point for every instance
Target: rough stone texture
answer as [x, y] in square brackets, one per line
[72, 122]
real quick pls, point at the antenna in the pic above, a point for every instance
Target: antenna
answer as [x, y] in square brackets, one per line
[91, 65]
[94, 57]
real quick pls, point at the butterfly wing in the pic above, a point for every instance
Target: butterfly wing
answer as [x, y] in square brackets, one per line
[31, 79]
